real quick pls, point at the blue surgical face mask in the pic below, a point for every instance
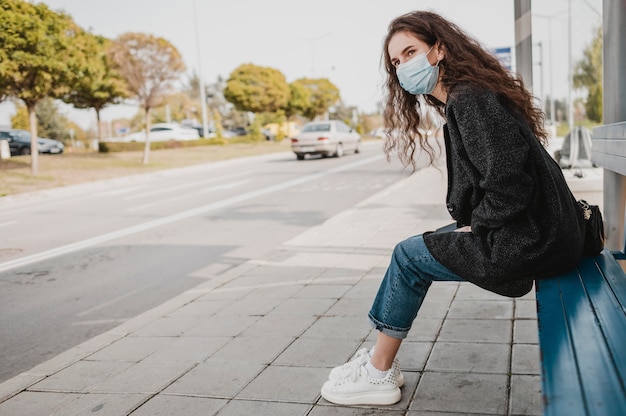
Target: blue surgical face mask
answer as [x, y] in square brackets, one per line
[417, 75]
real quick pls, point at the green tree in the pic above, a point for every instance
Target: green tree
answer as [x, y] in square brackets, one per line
[299, 101]
[323, 94]
[20, 119]
[100, 84]
[51, 123]
[257, 89]
[150, 65]
[588, 74]
[37, 57]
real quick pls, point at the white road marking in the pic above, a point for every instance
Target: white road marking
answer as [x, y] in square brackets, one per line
[184, 186]
[79, 245]
[178, 198]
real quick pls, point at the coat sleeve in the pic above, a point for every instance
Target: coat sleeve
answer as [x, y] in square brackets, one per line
[495, 146]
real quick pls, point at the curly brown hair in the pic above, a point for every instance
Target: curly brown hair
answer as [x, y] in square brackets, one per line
[465, 61]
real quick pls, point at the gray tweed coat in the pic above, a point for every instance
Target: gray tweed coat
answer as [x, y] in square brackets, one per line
[526, 224]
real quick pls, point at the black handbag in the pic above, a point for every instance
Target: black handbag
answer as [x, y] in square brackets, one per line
[594, 229]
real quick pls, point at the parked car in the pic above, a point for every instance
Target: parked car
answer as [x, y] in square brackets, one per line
[19, 143]
[325, 138]
[162, 132]
[242, 131]
[200, 130]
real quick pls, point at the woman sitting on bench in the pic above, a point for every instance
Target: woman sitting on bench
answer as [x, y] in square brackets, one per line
[516, 218]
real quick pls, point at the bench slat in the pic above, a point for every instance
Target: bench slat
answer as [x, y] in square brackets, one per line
[581, 328]
[558, 361]
[594, 318]
[606, 295]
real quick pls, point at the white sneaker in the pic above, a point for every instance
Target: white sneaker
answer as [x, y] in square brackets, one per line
[360, 358]
[358, 387]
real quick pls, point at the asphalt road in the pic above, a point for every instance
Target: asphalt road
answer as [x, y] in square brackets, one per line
[76, 262]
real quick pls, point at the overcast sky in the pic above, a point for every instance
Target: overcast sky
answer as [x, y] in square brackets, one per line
[337, 39]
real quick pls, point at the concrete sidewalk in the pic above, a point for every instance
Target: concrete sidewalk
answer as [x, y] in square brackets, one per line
[260, 339]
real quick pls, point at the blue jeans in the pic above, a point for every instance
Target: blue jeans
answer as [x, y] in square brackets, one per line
[402, 291]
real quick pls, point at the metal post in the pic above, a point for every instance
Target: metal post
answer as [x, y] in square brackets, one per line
[523, 42]
[205, 123]
[570, 73]
[614, 111]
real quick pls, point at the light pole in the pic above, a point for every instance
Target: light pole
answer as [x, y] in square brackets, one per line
[313, 40]
[205, 123]
[570, 106]
[552, 100]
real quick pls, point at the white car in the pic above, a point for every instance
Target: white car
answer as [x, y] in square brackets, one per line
[162, 132]
[325, 138]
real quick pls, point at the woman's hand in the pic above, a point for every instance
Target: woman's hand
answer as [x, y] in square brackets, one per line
[466, 229]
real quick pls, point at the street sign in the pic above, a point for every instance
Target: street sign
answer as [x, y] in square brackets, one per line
[504, 55]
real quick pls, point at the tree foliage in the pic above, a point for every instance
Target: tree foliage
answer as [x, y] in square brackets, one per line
[322, 94]
[150, 65]
[299, 101]
[588, 74]
[51, 123]
[257, 89]
[100, 84]
[37, 57]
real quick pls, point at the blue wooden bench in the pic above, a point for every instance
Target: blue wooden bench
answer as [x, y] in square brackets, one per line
[582, 314]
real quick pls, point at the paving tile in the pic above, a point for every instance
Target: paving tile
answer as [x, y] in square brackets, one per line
[339, 327]
[167, 327]
[350, 307]
[103, 404]
[469, 358]
[191, 349]
[526, 359]
[48, 403]
[221, 326]
[223, 293]
[437, 302]
[257, 408]
[200, 309]
[36, 403]
[288, 384]
[424, 329]
[143, 377]
[334, 276]
[525, 332]
[303, 306]
[481, 309]
[454, 392]
[525, 309]
[422, 413]
[314, 352]
[325, 291]
[476, 330]
[215, 378]
[257, 350]
[280, 325]
[167, 405]
[330, 410]
[470, 291]
[131, 349]
[526, 397]
[249, 305]
[82, 375]
[413, 355]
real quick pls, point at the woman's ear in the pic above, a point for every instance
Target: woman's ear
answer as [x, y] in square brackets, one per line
[440, 51]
